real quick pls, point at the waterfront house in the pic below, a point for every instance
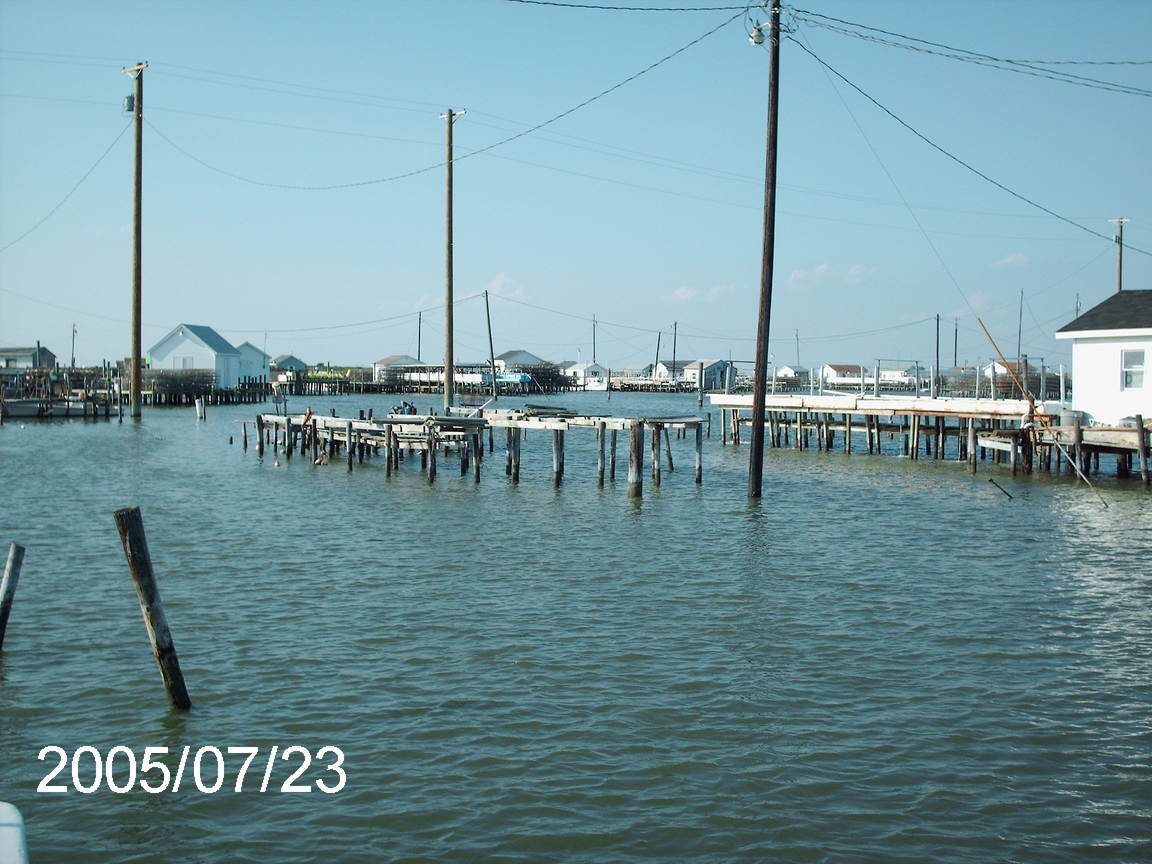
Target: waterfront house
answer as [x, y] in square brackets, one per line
[389, 369]
[516, 360]
[195, 347]
[1111, 350]
[842, 374]
[290, 363]
[669, 369]
[583, 374]
[713, 372]
[36, 357]
[791, 373]
[253, 364]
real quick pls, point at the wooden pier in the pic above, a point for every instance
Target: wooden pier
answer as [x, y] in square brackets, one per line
[978, 429]
[462, 433]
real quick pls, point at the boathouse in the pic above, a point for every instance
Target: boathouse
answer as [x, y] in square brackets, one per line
[583, 374]
[792, 373]
[37, 357]
[253, 364]
[197, 347]
[389, 368]
[1111, 349]
[713, 372]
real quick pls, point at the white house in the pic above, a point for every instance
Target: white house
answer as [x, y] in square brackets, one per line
[194, 346]
[253, 363]
[712, 370]
[671, 369]
[791, 373]
[26, 358]
[1111, 350]
[842, 373]
[389, 367]
[585, 374]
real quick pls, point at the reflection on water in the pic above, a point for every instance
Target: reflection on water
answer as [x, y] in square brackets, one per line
[880, 660]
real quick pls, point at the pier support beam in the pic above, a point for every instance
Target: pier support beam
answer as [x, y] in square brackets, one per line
[636, 460]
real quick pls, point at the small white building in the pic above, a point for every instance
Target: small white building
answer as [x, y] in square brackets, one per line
[842, 373]
[197, 347]
[585, 374]
[253, 364]
[26, 358]
[1111, 350]
[713, 372]
[791, 372]
[388, 368]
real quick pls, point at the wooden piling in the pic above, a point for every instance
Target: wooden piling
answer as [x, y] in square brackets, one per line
[259, 434]
[1142, 448]
[348, 442]
[244, 433]
[557, 456]
[972, 445]
[516, 436]
[430, 444]
[699, 454]
[668, 450]
[636, 459]
[477, 449]
[656, 454]
[612, 456]
[1078, 445]
[600, 453]
[131, 526]
[8, 586]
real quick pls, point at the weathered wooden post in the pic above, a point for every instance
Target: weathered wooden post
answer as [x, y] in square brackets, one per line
[699, 454]
[557, 456]
[8, 585]
[244, 432]
[348, 443]
[972, 445]
[668, 450]
[636, 459]
[430, 443]
[465, 445]
[612, 456]
[477, 449]
[516, 436]
[1078, 445]
[1014, 453]
[287, 437]
[131, 526]
[600, 453]
[508, 450]
[1142, 448]
[656, 454]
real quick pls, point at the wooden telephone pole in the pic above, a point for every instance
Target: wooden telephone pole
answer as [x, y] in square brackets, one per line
[760, 384]
[449, 360]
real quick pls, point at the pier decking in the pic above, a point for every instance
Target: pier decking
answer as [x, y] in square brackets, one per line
[396, 435]
[978, 427]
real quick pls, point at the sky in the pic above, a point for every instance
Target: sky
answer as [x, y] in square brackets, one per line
[638, 202]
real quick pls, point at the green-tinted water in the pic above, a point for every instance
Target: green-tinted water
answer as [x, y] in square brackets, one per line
[880, 661]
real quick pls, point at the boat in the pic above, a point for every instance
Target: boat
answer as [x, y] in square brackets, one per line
[26, 408]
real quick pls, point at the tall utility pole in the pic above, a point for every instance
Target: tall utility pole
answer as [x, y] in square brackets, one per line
[419, 332]
[593, 338]
[137, 188]
[936, 369]
[449, 360]
[673, 351]
[73, 366]
[955, 340]
[1120, 251]
[760, 383]
[491, 350]
[657, 361]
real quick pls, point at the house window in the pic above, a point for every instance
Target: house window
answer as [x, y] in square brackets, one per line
[1132, 366]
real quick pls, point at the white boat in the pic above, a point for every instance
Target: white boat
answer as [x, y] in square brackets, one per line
[26, 408]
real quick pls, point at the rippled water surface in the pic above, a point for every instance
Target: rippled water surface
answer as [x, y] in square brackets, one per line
[880, 661]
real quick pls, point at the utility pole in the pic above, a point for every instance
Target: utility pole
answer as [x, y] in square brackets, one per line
[955, 340]
[73, 366]
[936, 368]
[657, 361]
[1120, 251]
[797, 347]
[1019, 326]
[491, 350]
[137, 189]
[673, 351]
[593, 338]
[760, 382]
[449, 360]
[419, 332]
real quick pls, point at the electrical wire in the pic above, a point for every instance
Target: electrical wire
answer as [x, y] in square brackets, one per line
[600, 8]
[63, 200]
[955, 158]
[476, 152]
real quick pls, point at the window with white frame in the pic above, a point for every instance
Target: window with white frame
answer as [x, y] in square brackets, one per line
[1132, 369]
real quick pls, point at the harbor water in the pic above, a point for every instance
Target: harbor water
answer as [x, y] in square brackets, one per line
[881, 660]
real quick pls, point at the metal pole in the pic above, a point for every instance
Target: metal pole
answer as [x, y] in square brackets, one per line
[756, 451]
[137, 189]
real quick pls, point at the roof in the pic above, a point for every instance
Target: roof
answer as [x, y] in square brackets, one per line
[254, 348]
[279, 361]
[203, 334]
[10, 352]
[583, 367]
[399, 360]
[1124, 310]
[674, 366]
[519, 357]
[844, 367]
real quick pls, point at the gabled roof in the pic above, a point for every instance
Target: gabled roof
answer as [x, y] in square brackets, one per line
[205, 335]
[399, 360]
[254, 348]
[844, 367]
[279, 361]
[674, 366]
[565, 364]
[519, 357]
[1124, 310]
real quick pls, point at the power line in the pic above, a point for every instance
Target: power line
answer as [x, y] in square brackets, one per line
[79, 183]
[954, 158]
[632, 8]
[476, 152]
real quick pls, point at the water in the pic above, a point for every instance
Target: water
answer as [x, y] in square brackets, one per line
[883, 660]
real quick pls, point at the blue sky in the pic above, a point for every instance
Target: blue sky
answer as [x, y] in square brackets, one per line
[641, 208]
